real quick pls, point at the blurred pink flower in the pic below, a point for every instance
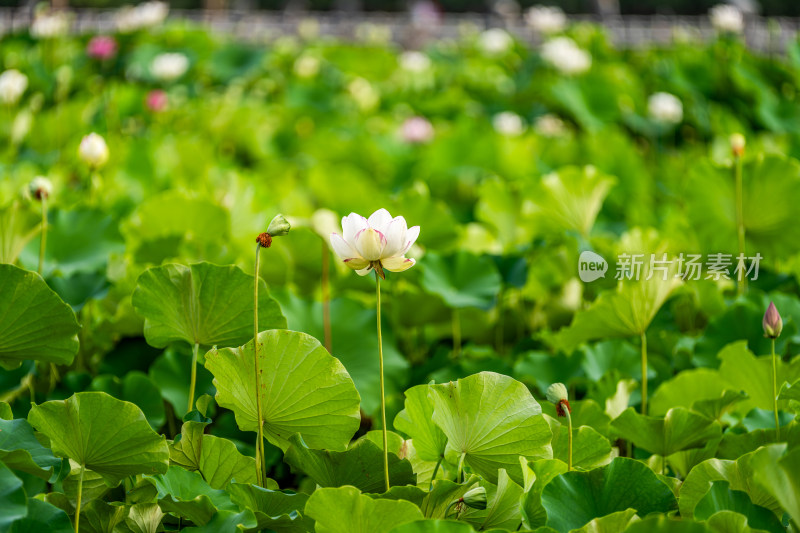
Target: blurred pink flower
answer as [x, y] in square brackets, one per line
[417, 130]
[102, 47]
[156, 100]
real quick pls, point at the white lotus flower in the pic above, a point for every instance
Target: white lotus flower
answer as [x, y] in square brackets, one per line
[508, 123]
[12, 84]
[495, 41]
[549, 125]
[145, 15]
[726, 18]
[169, 66]
[417, 130]
[306, 66]
[50, 24]
[93, 150]
[563, 54]
[377, 243]
[665, 107]
[546, 19]
[414, 61]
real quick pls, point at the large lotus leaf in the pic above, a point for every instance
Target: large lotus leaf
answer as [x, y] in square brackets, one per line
[203, 303]
[679, 430]
[304, 390]
[227, 521]
[136, 388]
[108, 436]
[720, 497]
[661, 524]
[744, 371]
[462, 280]
[186, 494]
[584, 413]
[611, 523]
[791, 393]
[170, 371]
[357, 352]
[416, 421]
[20, 450]
[34, 322]
[77, 241]
[17, 228]
[686, 388]
[730, 522]
[537, 475]
[589, 448]
[738, 473]
[716, 407]
[217, 459]
[360, 466]
[433, 526]
[144, 518]
[683, 462]
[575, 498]
[777, 474]
[492, 419]
[502, 510]
[101, 517]
[571, 198]
[274, 510]
[13, 501]
[93, 486]
[43, 516]
[345, 510]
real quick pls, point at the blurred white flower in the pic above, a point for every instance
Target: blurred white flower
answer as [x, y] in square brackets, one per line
[546, 19]
[377, 243]
[495, 41]
[563, 54]
[12, 84]
[40, 187]
[21, 126]
[373, 33]
[665, 108]
[414, 61]
[417, 130]
[508, 123]
[726, 18]
[549, 125]
[324, 222]
[170, 66]
[49, 24]
[145, 15]
[306, 66]
[365, 95]
[93, 150]
[308, 29]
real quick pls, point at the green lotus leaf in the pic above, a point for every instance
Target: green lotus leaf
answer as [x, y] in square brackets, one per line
[491, 419]
[217, 459]
[34, 322]
[5, 411]
[584, 413]
[144, 518]
[186, 494]
[662, 524]
[730, 522]
[573, 499]
[13, 500]
[304, 390]
[360, 466]
[433, 526]
[611, 523]
[79, 427]
[720, 497]
[416, 421]
[738, 473]
[170, 371]
[94, 486]
[43, 516]
[790, 392]
[136, 388]
[173, 214]
[274, 510]
[227, 521]
[101, 517]
[345, 510]
[716, 407]
[462, 280]
[17, 228]
[679, 430]
[537, 475]
[776, 472]
[20, 450]
[202, 304]
[683, 462]
[502, 510]
[589, 448]
[686, 389]
[753, 375]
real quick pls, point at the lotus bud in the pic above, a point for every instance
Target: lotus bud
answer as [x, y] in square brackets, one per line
[279, 226]
[557, 394]
[773, 324]
[737, 144]
[93, 150]
[40, 187]
[475, 498]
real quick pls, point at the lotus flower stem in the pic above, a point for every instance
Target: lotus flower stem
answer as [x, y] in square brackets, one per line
[43, 241]
[193, 380]
[737, 169]
[644, 372]
[261, 472]
[456, 334]
[78, 503]
[326, 297]
[569, 439]
[775, 392]
[435, 470]
[460, 473]
[383, 393]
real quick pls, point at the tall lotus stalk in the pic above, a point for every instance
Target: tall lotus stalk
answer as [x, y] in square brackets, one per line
[557, 394]
[773, 325]
[737, 148]
[376, 244]
[643, 345]
[278, 227]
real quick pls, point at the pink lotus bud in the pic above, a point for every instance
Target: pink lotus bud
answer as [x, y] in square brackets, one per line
[156, 100]
[102, 47]
[773, 325]
[417, 130]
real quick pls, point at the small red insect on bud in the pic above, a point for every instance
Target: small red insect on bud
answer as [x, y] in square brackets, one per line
[265, 240]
